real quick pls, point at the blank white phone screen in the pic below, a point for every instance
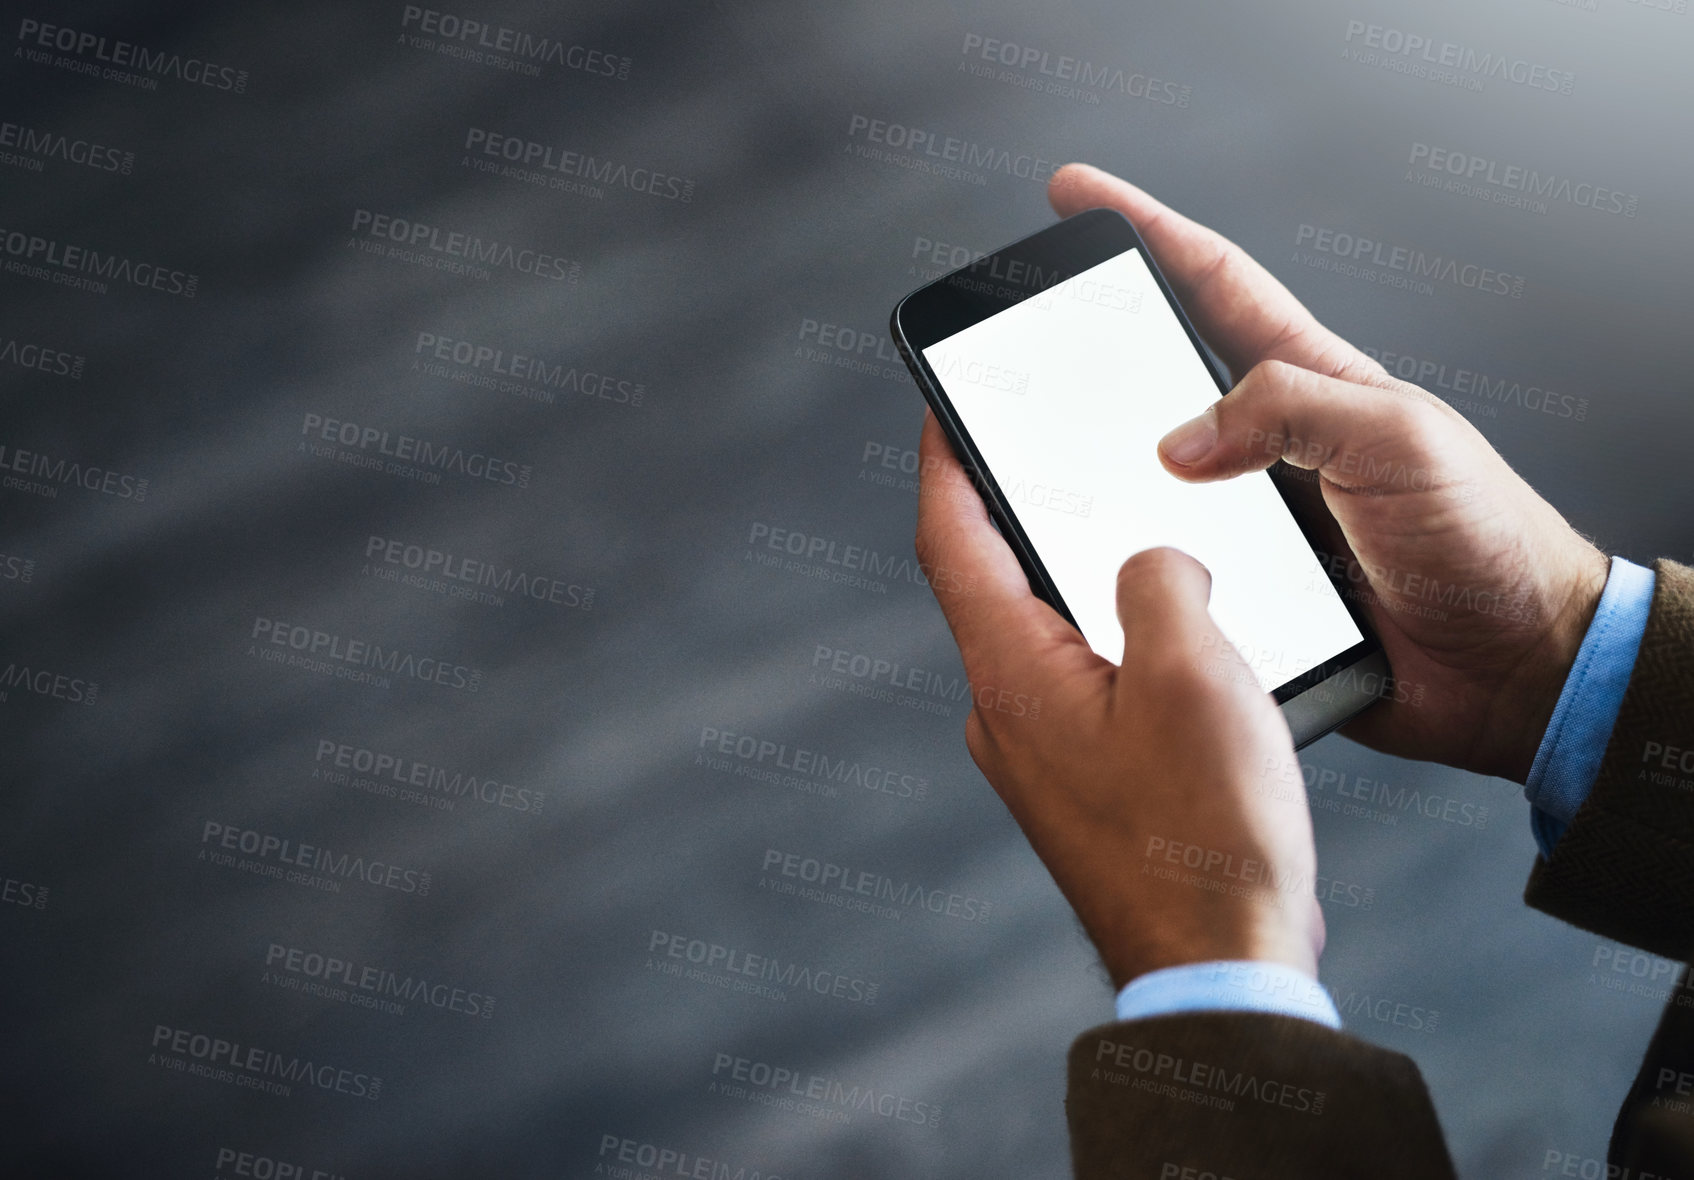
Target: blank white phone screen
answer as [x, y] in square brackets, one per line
[1066, 395]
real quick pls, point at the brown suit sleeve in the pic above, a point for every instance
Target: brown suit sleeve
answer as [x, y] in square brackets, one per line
[1246, 1096]
[1239, 1094]
[1624, 869]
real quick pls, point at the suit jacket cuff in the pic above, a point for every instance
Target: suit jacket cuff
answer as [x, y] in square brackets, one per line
[1624, 869]
[1246, 1095]
[1574, 745]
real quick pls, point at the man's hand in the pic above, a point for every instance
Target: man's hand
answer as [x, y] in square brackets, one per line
[1158, 792]
[1163, 796]
[1479, 590]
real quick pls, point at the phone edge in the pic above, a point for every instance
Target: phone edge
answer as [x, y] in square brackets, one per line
[1311, 713]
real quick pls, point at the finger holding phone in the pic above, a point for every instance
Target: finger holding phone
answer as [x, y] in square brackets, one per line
[1478, 589]
[1402, 501]
[1127, 770]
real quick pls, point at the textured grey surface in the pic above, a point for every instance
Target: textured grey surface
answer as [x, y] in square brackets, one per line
[705, 303]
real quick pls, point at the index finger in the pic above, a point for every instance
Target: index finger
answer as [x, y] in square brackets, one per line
[1237, 305]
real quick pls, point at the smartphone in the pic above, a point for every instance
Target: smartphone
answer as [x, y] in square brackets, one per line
[1055, 365]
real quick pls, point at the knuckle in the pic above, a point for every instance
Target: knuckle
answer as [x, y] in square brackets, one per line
[1414, 398]
[1273, 375]
[1368, 370]
[1427, 426]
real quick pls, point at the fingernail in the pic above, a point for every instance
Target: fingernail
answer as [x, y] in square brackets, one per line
[1193, 440]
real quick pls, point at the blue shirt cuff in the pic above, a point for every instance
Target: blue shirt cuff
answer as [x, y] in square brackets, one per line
[1571, 750]
[1228, 985]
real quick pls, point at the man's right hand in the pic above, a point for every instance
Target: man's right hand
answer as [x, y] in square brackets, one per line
[1479, 590]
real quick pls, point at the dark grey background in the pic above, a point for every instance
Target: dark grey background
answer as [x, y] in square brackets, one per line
[704, 304]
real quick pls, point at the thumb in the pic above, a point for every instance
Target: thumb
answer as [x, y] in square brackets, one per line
[1359, 437]
[1169, 635]
[1162, 597]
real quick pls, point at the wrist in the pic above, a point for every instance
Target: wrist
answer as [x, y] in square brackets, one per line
[1291, 935]
[1534, 692]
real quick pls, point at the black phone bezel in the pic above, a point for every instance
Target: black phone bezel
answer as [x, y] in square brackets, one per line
[1005, 278]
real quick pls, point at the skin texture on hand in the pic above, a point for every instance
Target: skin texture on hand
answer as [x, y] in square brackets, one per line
[1157, 792]
[1154, 792]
